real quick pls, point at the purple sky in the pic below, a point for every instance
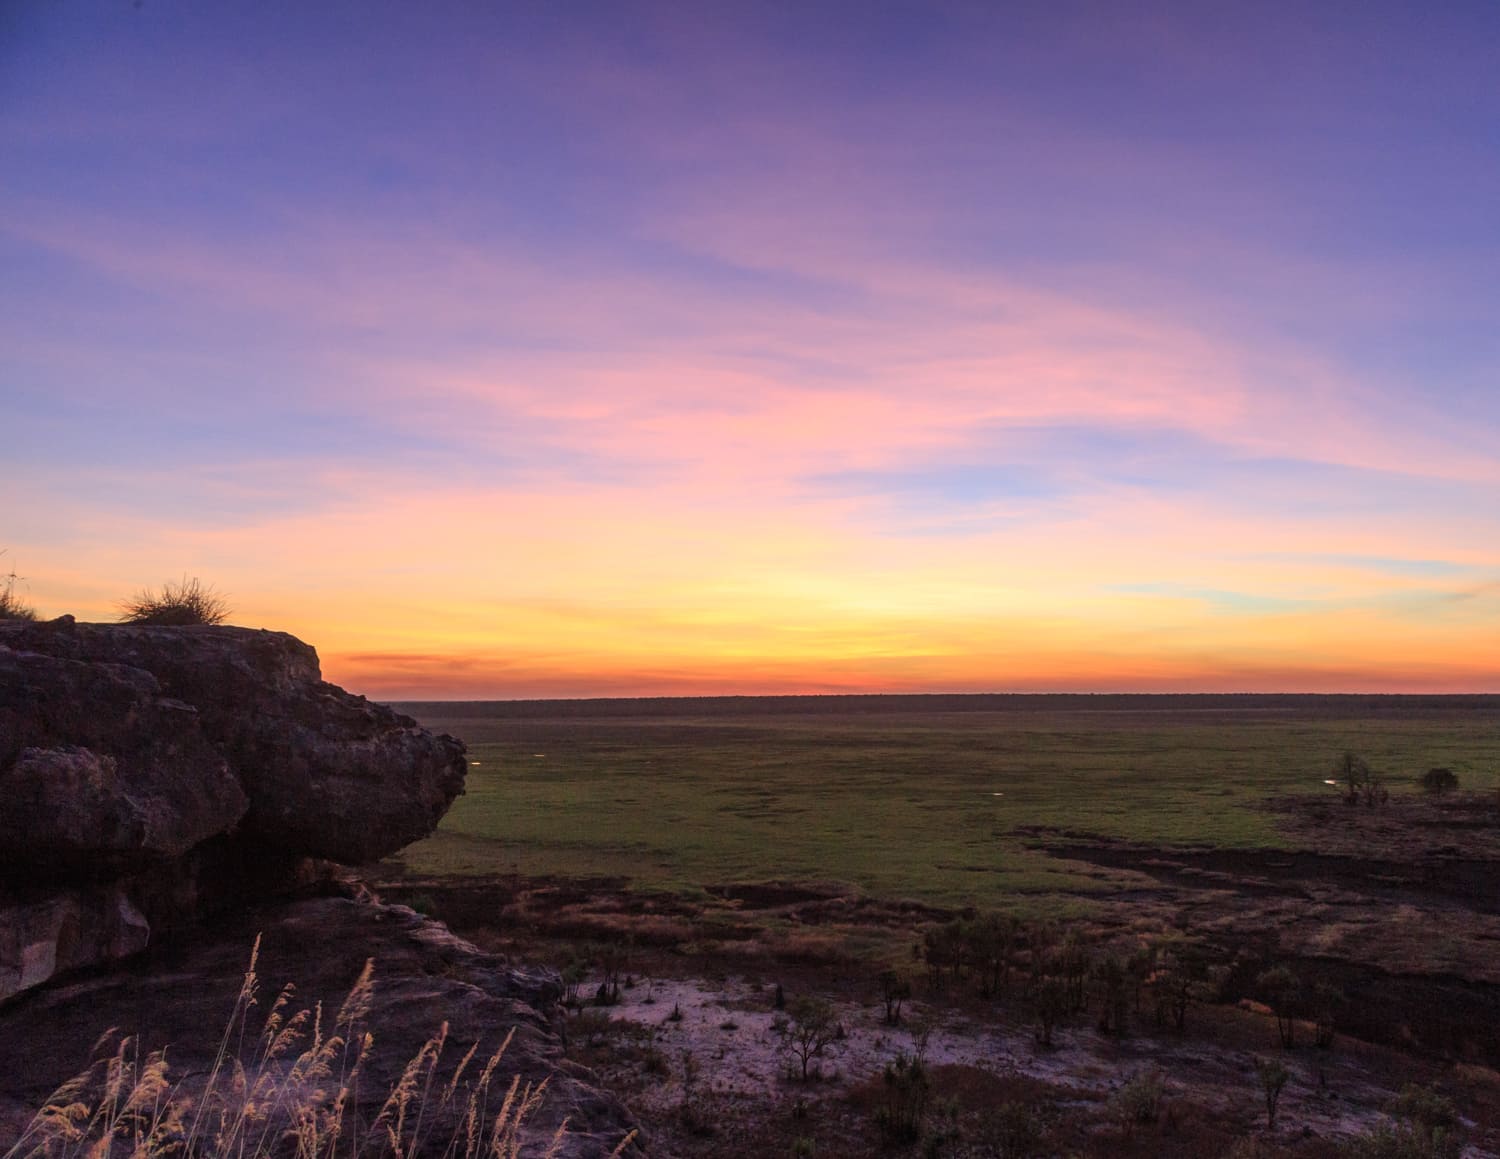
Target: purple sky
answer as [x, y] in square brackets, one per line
[594, 348]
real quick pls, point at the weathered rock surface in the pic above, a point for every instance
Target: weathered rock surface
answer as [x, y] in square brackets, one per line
[100, 774]
[153, 775]
[181, 995]
[327, 773]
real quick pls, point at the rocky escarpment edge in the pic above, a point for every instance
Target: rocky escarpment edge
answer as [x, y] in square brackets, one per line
[152, 776]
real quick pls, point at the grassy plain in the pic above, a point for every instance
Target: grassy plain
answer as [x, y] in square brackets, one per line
[928, 798]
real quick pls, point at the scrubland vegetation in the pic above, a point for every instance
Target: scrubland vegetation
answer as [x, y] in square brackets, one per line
[938, 933]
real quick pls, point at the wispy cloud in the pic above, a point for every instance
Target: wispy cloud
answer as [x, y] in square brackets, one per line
[764, 348]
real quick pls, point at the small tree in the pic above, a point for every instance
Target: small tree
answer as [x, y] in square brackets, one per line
[1273, 1077]
[188, 602]
[1327, 1001]
[1112, 981]
[1182, 978]
[992, 943]
[1139, 1101]
[894, 989]
[946, 949]
[1358, 781]
[1049, 1003]
[1283, 992]
[1071, 962]
[1438, 781]
[1141, 966]
[612, 957]
[810, 1031]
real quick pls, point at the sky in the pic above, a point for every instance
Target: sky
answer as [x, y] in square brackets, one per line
[597, 349]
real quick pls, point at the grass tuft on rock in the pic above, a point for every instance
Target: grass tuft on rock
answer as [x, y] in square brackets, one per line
[188, 602]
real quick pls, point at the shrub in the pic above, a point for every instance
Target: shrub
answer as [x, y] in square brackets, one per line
[946, 951]
[612, 957]
[894, 990]
[992, 942]
[1139, 1100]
[289, 1091]
[1012, 1131]
[1180, 978]
[188, 602]
[1328, 1000]
[1049, 1004]
[1273, 1077]
[1402, 1142]
[1430, 1129]
[1424, 1107]
[907, 1090]
[1283, 992]
[1438, 781]
[1112, 980]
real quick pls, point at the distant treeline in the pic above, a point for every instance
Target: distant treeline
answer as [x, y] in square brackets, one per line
[1277, 705]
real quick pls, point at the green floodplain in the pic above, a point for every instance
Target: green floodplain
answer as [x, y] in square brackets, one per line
[932, 798]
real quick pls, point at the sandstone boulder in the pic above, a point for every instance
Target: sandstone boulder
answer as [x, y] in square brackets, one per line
[152, 776]
[100, 774]
[327, 774]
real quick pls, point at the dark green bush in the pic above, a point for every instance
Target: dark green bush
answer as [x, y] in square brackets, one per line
[1438, 781]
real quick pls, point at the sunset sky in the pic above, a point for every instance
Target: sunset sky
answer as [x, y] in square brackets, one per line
[574, 349]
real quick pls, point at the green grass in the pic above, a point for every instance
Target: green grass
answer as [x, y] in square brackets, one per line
[901, 804]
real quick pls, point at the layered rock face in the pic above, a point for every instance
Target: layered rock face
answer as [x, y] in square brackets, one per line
[150, 776]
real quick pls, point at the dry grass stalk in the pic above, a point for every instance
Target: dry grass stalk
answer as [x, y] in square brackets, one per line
[293, 1098]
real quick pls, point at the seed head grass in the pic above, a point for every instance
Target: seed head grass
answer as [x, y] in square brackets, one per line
[290, 1089]
[12, 607]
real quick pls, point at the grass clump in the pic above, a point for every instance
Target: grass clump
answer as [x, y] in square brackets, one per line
[12, 607]
[187, 602]
[1139, 1101]
[292, 1091]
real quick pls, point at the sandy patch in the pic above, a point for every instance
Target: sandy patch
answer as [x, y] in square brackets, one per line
[732, 1032]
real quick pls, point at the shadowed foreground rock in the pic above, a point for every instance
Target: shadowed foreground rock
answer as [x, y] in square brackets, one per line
[153, 775]
[181, 995]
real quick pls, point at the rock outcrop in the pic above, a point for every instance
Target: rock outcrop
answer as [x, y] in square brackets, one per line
[150, 776]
